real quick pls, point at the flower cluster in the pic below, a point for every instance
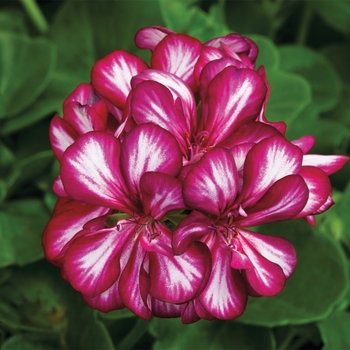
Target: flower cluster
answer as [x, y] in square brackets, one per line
[163, 169]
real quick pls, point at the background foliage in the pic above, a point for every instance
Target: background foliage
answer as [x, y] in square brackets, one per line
[305, 47]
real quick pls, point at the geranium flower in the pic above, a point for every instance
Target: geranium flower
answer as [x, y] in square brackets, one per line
[129, 262]
[229, 191]
[232, 98]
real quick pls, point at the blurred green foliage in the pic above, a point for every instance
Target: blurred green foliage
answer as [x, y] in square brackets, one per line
[305, 48]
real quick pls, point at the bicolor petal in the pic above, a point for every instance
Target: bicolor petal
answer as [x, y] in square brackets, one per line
[268, 161]
[111, 75]
[283, 200]
[145, 148]
[329, 164]
[90, 172]
[149, 37]
[178, 54]
[211, 185]
[91, 261]
[62, 135]
[152, 102]
[69, 217]
[319, 187]
[234, 97]
[160, 193]
[225, 294]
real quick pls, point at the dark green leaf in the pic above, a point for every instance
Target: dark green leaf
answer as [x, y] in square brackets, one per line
[39, 110]
[183, 17]
[338, 55]
[268, 53]
[335, 331]
[26, 68]
[319, 283]
[321, 75]
[96, 336]
[116, 315]
[96, 33]
[19, 342]
[172, 334]
[21, 225]
[12, 20]
[290, 93]
[335, 13]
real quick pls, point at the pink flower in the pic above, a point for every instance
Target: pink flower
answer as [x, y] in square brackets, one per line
[232, 97]
[230, 190]
[129, 262]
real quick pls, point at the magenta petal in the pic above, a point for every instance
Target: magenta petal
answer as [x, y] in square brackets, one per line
[149, 37]
[191, 228]
[62, 135]
[284, 199]
[211, 185]
[177, 279]
[68, 219]
[145, 148]
[178, 89]
[91, 261]
[240, 261]
[133, 285]
[329, 164]
[165, 310]
[107, 301]
[319, 187]
[90, 172]
[58, 188]
[188, 313]
[152, 102]
[266, 278]
[111, 75]
[305, 143]
[207, 55]
[237, 44]
[252, 132]
[225, 295]
[234, 97]
[161, 193]
[178, 54]
[276, 249]
[86, 118]
[83, 93]
[268, 161]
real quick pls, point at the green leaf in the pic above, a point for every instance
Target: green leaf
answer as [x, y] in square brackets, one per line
[247, 17]
[338, 55]
[171, 334]
[183, 17]
[36, 112]
[19, 342]
[342, 210]
[269, 56]
[12, 20]
[335, 13]
[116, 315]
[26, 68]
[316, 69]
[290, 93]
[96, 336]
[21, 225]
[96, 33]
[319, 283]
[335, 331]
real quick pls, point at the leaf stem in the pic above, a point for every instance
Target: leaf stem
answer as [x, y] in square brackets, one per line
[287, 340]
[134, 335]
[304, 24]
[35, 15]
